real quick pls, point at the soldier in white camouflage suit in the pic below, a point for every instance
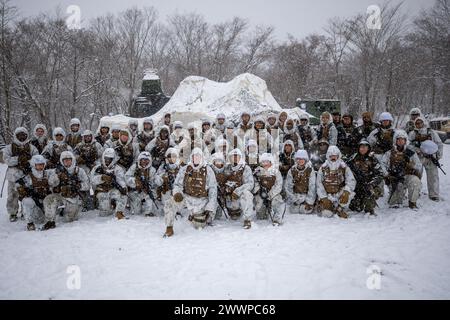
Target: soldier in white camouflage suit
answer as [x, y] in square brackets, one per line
[300, 185]
[267, 190]
[52, 152]
[67, 181]
[195, 189]
[110, 188]
[335, 185]
[167, 172]
[141, 179]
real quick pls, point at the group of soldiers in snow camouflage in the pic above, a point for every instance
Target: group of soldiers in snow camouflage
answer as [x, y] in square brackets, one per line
[259, 168]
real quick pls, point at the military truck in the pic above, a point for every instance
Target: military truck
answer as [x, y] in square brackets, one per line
[151, 99]
[317, 107]
[442, 126]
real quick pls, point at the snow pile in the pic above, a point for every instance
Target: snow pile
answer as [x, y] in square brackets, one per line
[208, 98]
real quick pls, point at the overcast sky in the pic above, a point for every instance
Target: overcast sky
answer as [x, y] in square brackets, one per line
[297, 17]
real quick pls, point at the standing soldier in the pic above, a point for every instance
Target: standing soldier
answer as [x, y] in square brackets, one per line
[67, 181]
[17, 156]
[33, 189]
[127, 151]
[115, 133]
[260, 134]
[252, 154]
[326, 129]
[300, 186]
[231, 137]
[159, 145]
[52, 152]
[282, 117]
[110, 188]
[336, 118]
[367, 127]
[74, 137]
[39, 139]
[403, 169]
[195, 188]
[141, 179]
[166, 122]
[219, 125]
[381, 139]
[368, 174]
[207, 135]
[167, 173]
[133, 126]
[347, 135]
[88, 152]
[307, 134]
[287, 157]
[413, 115]
[272, 124]
[319, 156]
[147, 134]
[291, 133]
[267, 190]
[244, 126]
[178, 133]
[420, 134]
[103, 135]
[335, 185]
[238, 188]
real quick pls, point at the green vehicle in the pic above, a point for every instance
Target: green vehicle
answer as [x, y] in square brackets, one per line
[317, 107]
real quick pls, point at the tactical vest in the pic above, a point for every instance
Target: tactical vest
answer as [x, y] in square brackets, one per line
[139, 174]
[236, 176]
[160, 149]
[126, 155]
[88, 152]
[267, 182]
[384, 141]
[39, 146]
[245, 127]
[221, 179]
[195, 182]
[301, 179]
[56, 154]
[104, 186]
[64, 187]
[286, 161]
[168, 180]
[73, 139]
[400, 159]
[293, 137]
[365, 130]
[364, 165]
[422, 137]
[24, 155]
[144, 140]
[40, 186]
[324, 132]
[102, 139]
[333, 180]
[305, 134]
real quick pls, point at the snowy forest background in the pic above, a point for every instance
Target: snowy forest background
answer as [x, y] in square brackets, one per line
[50, 74]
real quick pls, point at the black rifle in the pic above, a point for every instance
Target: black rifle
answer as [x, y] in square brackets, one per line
[31, 193]
[397, 176]
[148, 190]
[222, 205]
[435, 162]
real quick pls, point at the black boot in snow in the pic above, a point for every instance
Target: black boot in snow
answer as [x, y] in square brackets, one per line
[31, 227]
[49, 225]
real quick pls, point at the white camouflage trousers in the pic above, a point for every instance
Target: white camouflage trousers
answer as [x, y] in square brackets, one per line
[194, 206]
[244, 203]
[412, 185]
[334, 198]
[12, 203]
[32, 213]
[262, 210]
[104, 200]
[140, 203]
[72, 207]
[432, 177]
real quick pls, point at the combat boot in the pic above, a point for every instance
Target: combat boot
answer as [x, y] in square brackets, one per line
[13, 218]
[120, 215]
[31, 227]
[341, 213]
[49, 225]
[169, 232]
[247, 224]
[412, 205]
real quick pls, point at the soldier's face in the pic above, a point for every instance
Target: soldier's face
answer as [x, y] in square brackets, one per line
[74, 128]
[67, 162]
[367, 119]
[325, 119]
[59, 137]
[259, 125]
[334, 158]
[206, 127]
[272, 121]
[283, 117]
[167, 119]
[419, 124]
[323, 147]
[104, 130]
[116, 134]
[133, 127]
[164, 134]
[40, 132]
[252, 149]
[347, 120]
[288, 148]
[303, 122]
[401, 142]
[336, 118]
[172, 158]
[22, 136]
[266, 164]
[221, 121]
[235, 159]
[108, 161]
[144, 163]
[124, 138]
[290, 125]
[191, 131]
[230, 131]
[301, 162]
[148, 126]
[414, 116]
[218, 164]
[245, 118]
[88, 139]
[39, 166]
[363, 149]
[196, 159]
[385, 123]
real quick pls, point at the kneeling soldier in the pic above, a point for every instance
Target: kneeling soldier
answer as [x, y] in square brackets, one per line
[67, 180]
[108, 182]
[335, 185]
[300, 185]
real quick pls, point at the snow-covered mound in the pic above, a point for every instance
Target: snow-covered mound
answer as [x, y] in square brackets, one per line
[208, 98]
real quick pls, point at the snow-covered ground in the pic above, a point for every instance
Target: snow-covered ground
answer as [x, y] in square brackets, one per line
[306, 258]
